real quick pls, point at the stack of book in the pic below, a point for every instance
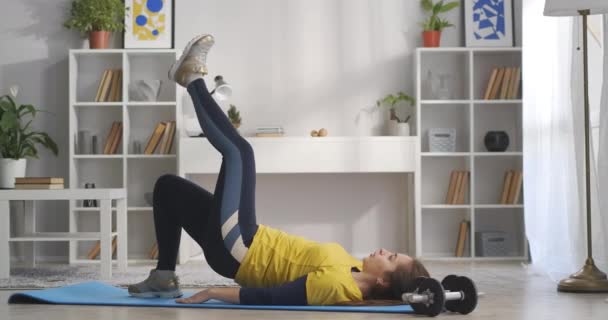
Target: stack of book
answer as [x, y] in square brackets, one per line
[504, 84]
[463, 231]
[113, 139]
[110, 86]
[94, 252]
[38, 183]
[163, 136]
[269, 131]
[458, 185]
[153, 255]
[511, 187]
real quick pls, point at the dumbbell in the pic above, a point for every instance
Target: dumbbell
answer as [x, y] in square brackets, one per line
[430, 298]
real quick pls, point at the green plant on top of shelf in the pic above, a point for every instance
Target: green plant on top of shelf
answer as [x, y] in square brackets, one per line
[396, 100]
[97, 18]
[235, 116]
[434, 22]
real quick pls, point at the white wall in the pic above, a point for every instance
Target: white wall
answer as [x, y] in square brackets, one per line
[304, 64]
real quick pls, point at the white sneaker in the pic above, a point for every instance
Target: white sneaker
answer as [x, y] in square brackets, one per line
[192, 64]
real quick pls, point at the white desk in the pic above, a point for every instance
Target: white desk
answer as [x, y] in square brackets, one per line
[310, 155]
[105, 197]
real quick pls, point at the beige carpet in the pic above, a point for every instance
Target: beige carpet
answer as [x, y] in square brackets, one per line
[191, 275]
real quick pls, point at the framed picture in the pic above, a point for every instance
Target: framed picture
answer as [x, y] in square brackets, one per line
[149, 24]
[488, 23]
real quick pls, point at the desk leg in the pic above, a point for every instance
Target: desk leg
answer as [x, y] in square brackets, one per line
[121, 238]
[5, 220]
[105, 226]
[29, 248]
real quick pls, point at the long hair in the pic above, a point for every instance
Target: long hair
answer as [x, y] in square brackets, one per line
[401, 280]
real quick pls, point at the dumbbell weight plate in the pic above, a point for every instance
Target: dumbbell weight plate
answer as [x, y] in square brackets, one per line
[432, 286]
[450, 283]
[466, 286]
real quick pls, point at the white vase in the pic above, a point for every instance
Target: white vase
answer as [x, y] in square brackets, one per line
[398, 128]
[9, 170]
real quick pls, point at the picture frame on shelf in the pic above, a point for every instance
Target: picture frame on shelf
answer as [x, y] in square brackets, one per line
[488, 23]
[149, 24]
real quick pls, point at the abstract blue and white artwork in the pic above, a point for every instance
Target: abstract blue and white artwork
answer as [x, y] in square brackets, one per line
[488, 23]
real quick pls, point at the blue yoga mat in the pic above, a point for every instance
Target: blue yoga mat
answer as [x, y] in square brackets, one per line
[97, 293]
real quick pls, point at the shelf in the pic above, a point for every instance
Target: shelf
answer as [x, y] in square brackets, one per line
[151, 156]
[433, 258]
[464, 49]
[143, 209]
[97, 156]
[445, 102]
[97, 104]
[445, 154]
[135, 261]
[446, 206]
[151, 104]
[58, 236]
[498, 101]
[90, 209]
[498, 154]
[499, 206]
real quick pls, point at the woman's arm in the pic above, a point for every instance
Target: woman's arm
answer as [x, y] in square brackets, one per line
[292, 293]
[230, 295]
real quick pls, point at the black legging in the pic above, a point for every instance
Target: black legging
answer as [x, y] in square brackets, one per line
[223, 223]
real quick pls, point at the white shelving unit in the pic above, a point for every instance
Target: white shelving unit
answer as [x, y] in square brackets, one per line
[135, 172]
[437, 223]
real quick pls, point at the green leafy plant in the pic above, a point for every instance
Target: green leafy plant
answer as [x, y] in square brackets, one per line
[96, 15]
[17, 140]
[234, 115]
[395, 100]
[434, 22]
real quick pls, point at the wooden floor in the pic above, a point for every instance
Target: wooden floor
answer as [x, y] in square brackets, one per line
[510, 291]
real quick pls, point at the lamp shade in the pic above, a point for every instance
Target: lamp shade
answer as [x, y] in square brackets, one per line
[222, 89]
[571, 7]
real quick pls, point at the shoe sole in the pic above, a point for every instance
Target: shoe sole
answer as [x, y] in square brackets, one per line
[163, 295]
[178, 63]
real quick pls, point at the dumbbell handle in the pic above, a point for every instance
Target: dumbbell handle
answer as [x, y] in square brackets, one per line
[424, 298]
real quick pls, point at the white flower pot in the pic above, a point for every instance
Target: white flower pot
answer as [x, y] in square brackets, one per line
[398, 128]
[9, 170]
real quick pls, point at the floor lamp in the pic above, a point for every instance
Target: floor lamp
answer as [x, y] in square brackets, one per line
[589, 278]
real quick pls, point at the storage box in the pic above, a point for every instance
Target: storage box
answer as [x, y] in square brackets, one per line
[493, 244]
[442, 139]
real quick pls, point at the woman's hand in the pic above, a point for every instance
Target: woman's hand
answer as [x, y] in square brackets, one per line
[200, 297]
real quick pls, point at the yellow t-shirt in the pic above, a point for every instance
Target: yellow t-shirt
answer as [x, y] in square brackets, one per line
[275, 258]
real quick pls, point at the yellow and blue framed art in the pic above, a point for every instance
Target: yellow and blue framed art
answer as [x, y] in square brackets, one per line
[149, 24]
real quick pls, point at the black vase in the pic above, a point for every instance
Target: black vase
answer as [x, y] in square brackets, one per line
[496, 141]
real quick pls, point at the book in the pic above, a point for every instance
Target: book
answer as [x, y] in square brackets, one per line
[516, 81]
[116, 139]
[506, 187]
[452, 187]
[155, 138]
[516, 187]
[463, 230]
[39, 180]
[463, 187]
[105, 90]
[110, 138]
[268, 135]
[512, 187]
[102, 82]
[33, 186]
[459, 177]
[490, 84]
[153, 251]
[505, 83]
[497, 83]
[171, 138]
[114, 86]
[164, 138]
[114, 246]
[94, 252]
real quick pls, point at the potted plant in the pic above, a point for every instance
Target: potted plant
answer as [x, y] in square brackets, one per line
[17, 140]
[97, 18]
[234, 116]
[433, 25]
[397, 126]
